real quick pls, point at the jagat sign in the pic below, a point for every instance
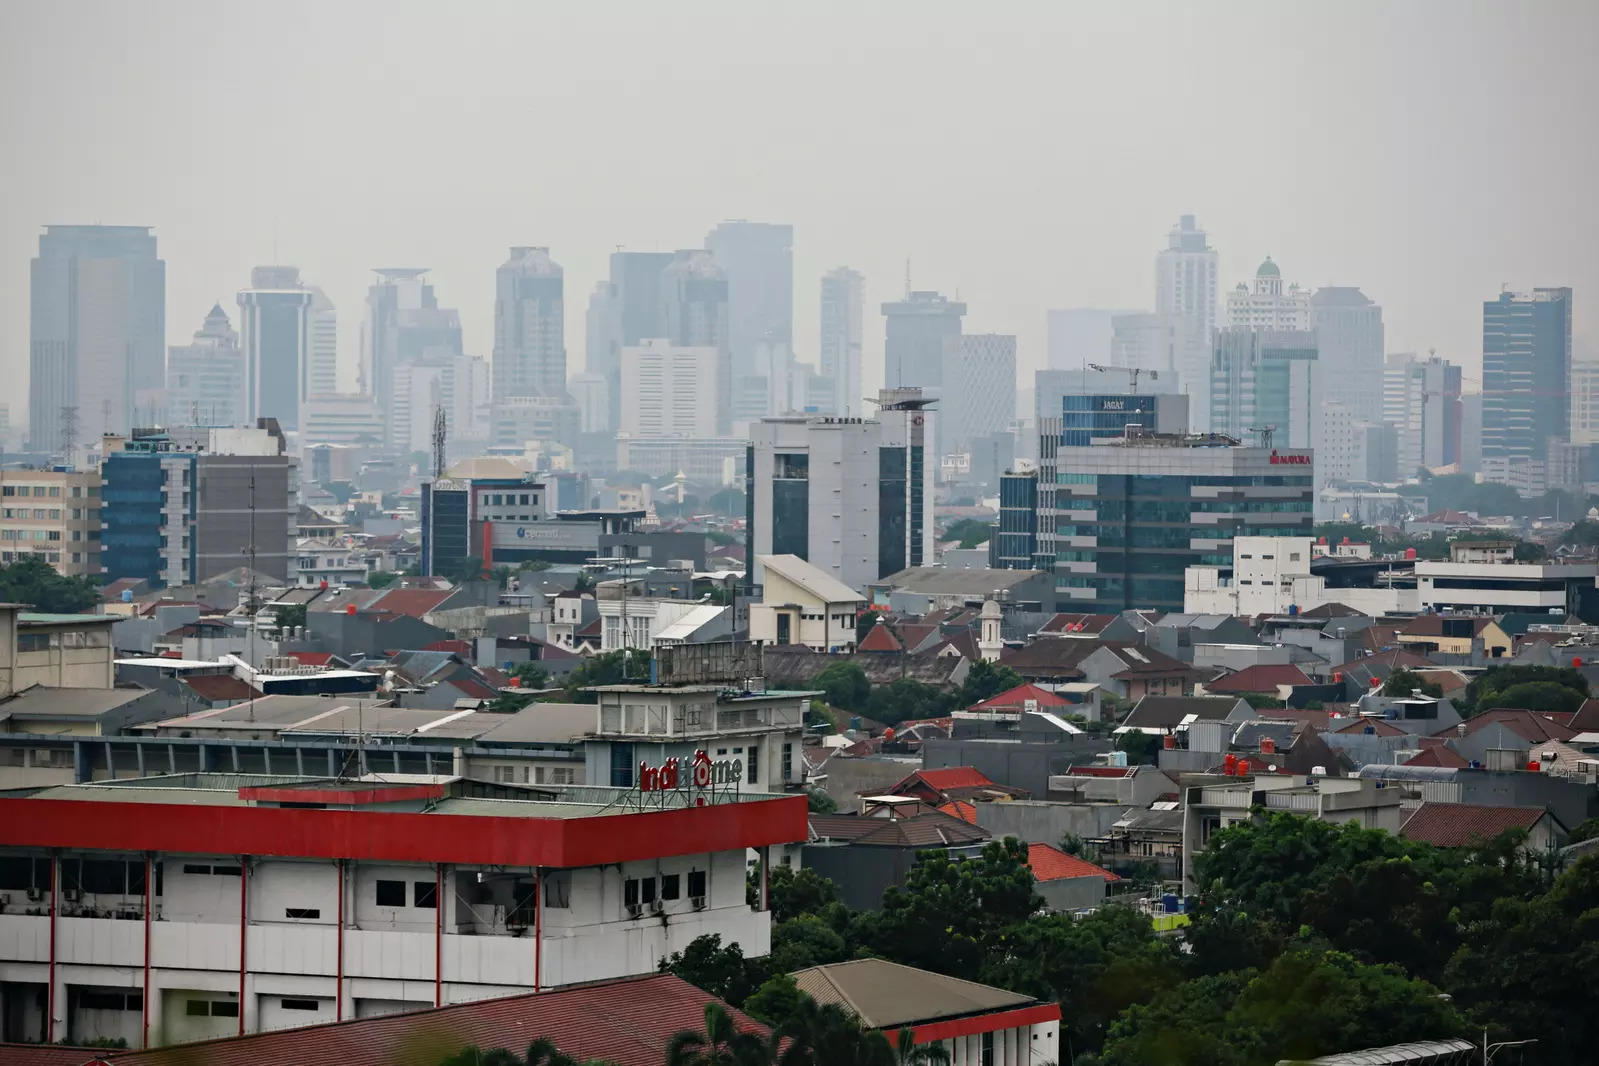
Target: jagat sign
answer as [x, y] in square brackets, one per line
[1277, 459]
[695, 773]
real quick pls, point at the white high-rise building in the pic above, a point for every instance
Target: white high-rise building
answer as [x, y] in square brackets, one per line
[1187, 277]
[591, 391]
[843, 308]
[1177, 338]
[1267, 303]
[1421, 400]
[851, 496]
[275, 330]
[1349, 342]
[669, 390]
[205, 379]
[459, 385]
[322, 373]
[979, 388]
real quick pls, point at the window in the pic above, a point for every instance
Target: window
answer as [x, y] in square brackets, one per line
[788, 762]
[299, 1004]
[558, 890]
[391, 893]
[630, 892]
[671, 886]
[214, 1008]
[197, 1008]
[647, 889]
[424, 894]
[504, 774]
[696, 883]
[202, 868]
[754, 765]
[302, 912]
[219, 1009]
[96, 999]
[986, 1056]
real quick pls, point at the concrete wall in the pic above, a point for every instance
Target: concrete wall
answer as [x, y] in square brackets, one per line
[1019, 764]
[1038, 822]
[847, 778]
[1072, 893]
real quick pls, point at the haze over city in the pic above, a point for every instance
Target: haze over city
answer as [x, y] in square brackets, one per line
[1025, 156]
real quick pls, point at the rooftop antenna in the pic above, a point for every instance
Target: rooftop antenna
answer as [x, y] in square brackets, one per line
[1264, 433]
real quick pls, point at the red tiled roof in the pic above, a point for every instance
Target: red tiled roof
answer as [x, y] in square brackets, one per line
[1528, 725]
[1052, 864]
[475, 690]
[1437, 755]
[628, 1022]
[1077, 623]
[412, 602]
[1378, 727]
[880, 639]
[1101, 771]
[1264, 677]
[48, 1055]
[313, 658]
[1456, 825]
[216, 687]
[1016, 697]
[951, 777]
[459, 647]
[962, 809]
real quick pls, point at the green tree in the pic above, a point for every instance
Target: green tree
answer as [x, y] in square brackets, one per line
[864, 622]
[844, 685]
[724, 972]
[531, 675]
[1402, 682]
[289, 615]
[819, 802]
[778, 1002]
[907, 1052]
[381, 579]
[472, 568]
[1142, 749]
[720, 1043]
[906, 699]
[1584, 534]
[970, 900]
[607, 668]
[728, 502]
[969, 531]
[1184, 1027]
[792, 893]
[1487, 691]
[1539, 696]
[985, 680]
[1586, 829]
[811, 940]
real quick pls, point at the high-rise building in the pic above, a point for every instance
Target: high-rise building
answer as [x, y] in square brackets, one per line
[1187, 276]
[915, 331]
[693, 291]
[322, 375]
[1261, 382]
[52, 515]
[1267, 303]
[1015, 539]
[1123, 516]
[624, 310]
[669, 391]
[404, 325]
[183, 505]
[460, 386]
[1421, 400]
[1085, 418]
[843, 306]
[205, 378]
[1584, 402]
[591, 391]
[979, 389]
[1077, 336]
[1471, 432]
[1349, 343]
[275, 327]
[529, 326]
[1526, 365]
[758, 259]
[97, 332]
[852, 496]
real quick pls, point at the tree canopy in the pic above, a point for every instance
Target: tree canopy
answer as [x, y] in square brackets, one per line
[1494, 687]
[33, 581]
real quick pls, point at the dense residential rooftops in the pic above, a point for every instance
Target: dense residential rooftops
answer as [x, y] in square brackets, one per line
[1262, 677]
[1049, 863]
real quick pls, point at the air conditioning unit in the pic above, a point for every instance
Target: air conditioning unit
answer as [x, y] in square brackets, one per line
[657, 907]
[70, 895]
[5, 899]
[634, 910]
[35, 894]
[698, 901]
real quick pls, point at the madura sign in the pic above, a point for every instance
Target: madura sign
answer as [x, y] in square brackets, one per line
[1279, 458]
[698, 773]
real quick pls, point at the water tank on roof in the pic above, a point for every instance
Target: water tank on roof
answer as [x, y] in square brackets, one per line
[1118, 758]
[1293, 610]
[127, 595]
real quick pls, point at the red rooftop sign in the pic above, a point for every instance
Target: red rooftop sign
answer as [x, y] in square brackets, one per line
[1279, 458]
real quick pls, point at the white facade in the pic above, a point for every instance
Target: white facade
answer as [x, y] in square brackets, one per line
[322, 372]
[1349, 338]
[319, 560]
[1584, 403]
[1272, 575]
[669, 390]
[843, 305]
[1187, 276]
[460, 385]
[979, 388]
[1267, 304]
[1501, 587]
[821, 493]
[802, 605]
[341, 418]
[635, 621]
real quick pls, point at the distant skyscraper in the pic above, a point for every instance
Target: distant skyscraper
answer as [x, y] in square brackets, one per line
[694, 314]
[1267, 304]
[96, 331]
[758, 258]
[979, 389]
[1349, 345]
[275, 326]
[404, 325]
[1526, 366]
[205, 379]
[669, 391]
[843, 306]
[592, 394]
[1421, 400]
[459, 385]
[322, 376]
[624, 310]
[1078, 336]
[1187, 277]
[1262, 378]
[915, 331]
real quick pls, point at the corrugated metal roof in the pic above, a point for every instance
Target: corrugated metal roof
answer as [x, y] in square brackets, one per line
[886, 995]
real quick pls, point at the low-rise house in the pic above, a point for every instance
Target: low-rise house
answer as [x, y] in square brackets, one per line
[939, 786]
[1469, 637]
[921, 589]
[1276, 682]
[866, 854]
[1167, 715]
[977, 1025]
[802, 604]
[1066, 882]
[57, 650]
[1459, 825]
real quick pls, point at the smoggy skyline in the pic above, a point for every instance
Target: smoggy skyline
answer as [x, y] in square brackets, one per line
[1022, 157]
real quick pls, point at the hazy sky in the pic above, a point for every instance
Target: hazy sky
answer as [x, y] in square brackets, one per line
[1025, 155]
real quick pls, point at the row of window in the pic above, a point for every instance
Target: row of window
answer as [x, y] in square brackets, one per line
[554, 775]
[643, 891]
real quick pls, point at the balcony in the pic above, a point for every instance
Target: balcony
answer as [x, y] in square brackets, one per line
[1233, 798]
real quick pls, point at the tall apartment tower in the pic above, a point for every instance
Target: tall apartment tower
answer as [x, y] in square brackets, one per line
[97, 332]
[979, 389]
[1186, 276]
[1267, 303]
[404, 326]
[758, 258]
[205, 378]
[1262, 382]
[852, 496]
[843, 307]
[915, 331]
[322, 374]
[275, 327]
[1349, 339]
[669, 391]
[529, 326]
[694, 309]
[1421, 400]
[624, 309]
[1526, 367]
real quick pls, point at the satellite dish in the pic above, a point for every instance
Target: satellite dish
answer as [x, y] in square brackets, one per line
[1272, 767]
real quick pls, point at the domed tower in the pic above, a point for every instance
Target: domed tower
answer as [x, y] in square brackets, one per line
[1268, 279]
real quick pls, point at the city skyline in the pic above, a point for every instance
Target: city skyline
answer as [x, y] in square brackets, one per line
[1399, 241]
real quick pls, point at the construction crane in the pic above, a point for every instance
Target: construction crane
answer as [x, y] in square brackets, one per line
[1263, 432]
[1131, 371]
